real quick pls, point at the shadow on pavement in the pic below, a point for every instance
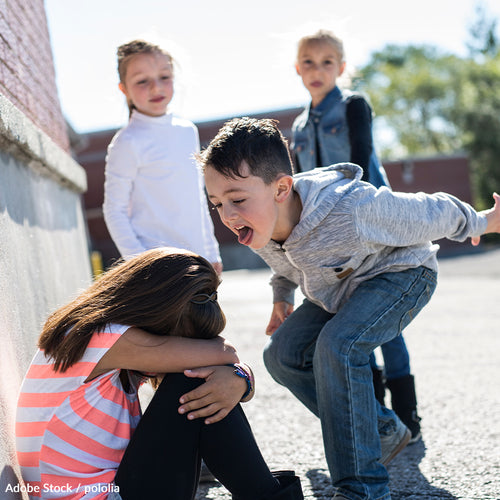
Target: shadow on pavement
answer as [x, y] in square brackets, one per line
[406, 479]
[407, 482]
[9, 484]
[320, 483]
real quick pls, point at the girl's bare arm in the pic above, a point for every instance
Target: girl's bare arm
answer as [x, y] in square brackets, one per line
[142, 351]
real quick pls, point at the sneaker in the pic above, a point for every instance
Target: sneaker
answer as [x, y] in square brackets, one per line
[413, 423]
[394, 443]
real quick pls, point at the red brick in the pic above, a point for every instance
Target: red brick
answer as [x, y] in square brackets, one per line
[27, 76]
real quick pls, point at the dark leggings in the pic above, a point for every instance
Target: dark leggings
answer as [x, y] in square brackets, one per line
[163, 457]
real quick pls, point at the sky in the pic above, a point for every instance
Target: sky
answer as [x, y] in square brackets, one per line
[233, 58]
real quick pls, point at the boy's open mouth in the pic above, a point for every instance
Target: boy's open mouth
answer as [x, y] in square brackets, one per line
[244, 234]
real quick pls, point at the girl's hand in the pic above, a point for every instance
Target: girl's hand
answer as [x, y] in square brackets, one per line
[281, 311]
[214, 399]
[493, 217]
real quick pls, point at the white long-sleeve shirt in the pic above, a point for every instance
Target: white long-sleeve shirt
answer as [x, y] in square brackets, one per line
[154, 193]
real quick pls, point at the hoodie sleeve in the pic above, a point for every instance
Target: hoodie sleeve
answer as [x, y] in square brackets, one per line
[404, 219]
[283, 289]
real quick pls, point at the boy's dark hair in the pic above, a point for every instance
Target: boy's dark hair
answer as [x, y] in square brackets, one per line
[259, 143]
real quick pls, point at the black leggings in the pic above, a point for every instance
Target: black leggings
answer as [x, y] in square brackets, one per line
[163, 457]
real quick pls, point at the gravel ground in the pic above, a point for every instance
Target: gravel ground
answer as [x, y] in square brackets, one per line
[455, 354]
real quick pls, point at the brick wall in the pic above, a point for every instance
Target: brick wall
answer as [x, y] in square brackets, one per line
[27, 77]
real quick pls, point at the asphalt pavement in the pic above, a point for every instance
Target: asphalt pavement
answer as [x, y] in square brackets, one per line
[454, 346]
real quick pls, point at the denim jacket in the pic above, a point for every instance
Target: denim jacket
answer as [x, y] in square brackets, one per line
[328, 125]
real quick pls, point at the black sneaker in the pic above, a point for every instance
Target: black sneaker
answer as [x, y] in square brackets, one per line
[412, 421]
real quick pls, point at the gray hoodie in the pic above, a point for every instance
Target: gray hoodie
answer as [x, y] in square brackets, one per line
[350, 232]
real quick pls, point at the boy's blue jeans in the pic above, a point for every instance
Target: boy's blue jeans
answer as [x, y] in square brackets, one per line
[323, 359]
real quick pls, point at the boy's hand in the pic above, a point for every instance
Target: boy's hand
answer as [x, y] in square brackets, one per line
[281, 311]
[493, 218]
[214, 399]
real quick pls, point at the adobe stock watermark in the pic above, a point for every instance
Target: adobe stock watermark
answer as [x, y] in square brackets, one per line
[37, 489]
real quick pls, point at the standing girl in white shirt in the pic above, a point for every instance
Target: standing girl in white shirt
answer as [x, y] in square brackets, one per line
[154, 194]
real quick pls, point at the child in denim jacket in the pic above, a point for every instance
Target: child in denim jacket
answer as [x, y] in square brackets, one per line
[336, 127]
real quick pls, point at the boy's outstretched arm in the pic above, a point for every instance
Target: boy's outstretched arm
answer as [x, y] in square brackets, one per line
[281, 311]
[493, 218]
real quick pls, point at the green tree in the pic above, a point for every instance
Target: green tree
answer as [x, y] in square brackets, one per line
[477, 116]
[409, 88]
[483, 40]
[477, 113]
[438, 103]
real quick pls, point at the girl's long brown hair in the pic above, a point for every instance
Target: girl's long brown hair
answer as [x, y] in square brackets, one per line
[153, 291]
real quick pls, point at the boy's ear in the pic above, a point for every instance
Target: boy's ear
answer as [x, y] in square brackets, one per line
[342, 68]
[284, 187]
[297, 69]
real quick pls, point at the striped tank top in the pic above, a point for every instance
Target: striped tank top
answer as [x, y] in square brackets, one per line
[71, 435]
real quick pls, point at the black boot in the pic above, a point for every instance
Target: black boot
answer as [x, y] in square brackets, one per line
[378, 385]
[290, 489]
[404, 403]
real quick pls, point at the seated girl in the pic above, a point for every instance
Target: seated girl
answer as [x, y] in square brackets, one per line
[80, 430]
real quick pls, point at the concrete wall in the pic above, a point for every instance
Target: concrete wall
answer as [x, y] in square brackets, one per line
[43, 254]
[43, 239]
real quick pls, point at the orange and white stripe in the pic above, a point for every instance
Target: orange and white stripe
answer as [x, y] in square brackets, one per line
[71, 435]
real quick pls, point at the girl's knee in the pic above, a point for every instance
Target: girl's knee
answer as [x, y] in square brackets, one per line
[178, 383]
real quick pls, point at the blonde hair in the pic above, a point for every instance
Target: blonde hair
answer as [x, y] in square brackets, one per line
[127, 51]
[323, 36]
